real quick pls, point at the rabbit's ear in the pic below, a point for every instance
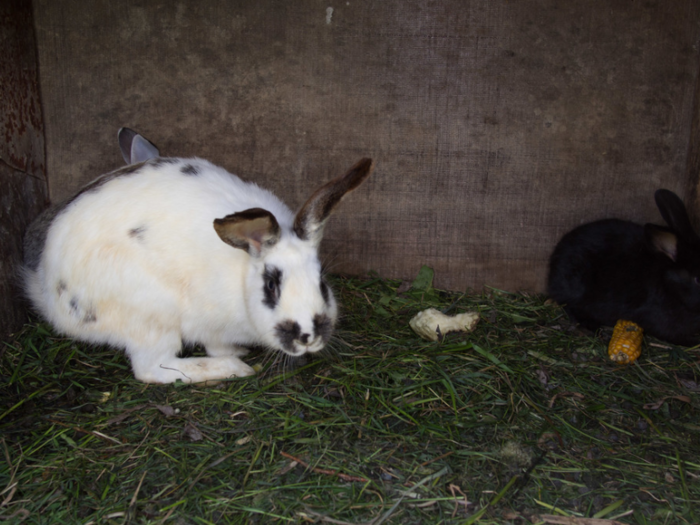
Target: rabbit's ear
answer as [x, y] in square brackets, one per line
[252, 230]
[673, 211]
[311, 218]
[134, 147]
[662, 240]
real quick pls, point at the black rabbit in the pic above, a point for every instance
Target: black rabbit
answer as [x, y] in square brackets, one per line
[612, 269]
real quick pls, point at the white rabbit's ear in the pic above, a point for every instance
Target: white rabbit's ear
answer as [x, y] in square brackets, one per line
[309, 222]
[135, 148]
[252, 230]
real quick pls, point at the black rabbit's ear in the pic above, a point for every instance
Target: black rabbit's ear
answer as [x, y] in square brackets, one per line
[662, 241]
[673, 211]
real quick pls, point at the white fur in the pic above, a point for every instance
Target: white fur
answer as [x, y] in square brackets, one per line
[136, 263]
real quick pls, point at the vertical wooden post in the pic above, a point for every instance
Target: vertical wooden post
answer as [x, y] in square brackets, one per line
[693, 162]
[23, 186]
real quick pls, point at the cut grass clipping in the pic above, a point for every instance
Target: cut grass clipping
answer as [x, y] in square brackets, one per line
[524, 420]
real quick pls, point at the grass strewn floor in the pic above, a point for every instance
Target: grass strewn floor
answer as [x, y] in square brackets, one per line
[524, 420]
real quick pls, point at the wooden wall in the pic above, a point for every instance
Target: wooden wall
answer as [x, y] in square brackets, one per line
[496, 125]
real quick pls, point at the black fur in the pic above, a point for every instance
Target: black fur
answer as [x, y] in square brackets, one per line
[323, 326]
[87, 316]
[189, 169]
[613, 269]
[35, 236]
[137, 233]
[288, 332]
[162, 161]
[272, 279]
[325, 293]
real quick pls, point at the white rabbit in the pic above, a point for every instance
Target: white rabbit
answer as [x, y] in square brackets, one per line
[171, 251]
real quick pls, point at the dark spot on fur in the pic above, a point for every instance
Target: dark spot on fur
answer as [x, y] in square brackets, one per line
[35, 236]
[61, 287]
[90, 317]
[86, 316]
[325, 292]
[137, 232]
[272, 279]
[189, 169]
[323, 327]
[162, 161]
[287, 332]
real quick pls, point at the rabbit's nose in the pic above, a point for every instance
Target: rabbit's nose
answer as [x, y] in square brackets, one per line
[304, 338]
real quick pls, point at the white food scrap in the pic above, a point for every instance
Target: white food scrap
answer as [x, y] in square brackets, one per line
[432, 324]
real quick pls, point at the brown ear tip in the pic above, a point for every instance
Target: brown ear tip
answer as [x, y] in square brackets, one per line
[364, 164]
[362, 169]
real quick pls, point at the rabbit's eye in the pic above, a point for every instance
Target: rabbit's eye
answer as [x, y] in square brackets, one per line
[696, 280]
[271, 285]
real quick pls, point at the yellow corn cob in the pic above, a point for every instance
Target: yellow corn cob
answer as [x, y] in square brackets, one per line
[626, 343]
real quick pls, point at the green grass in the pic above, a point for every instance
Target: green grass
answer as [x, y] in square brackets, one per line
[522, 421]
